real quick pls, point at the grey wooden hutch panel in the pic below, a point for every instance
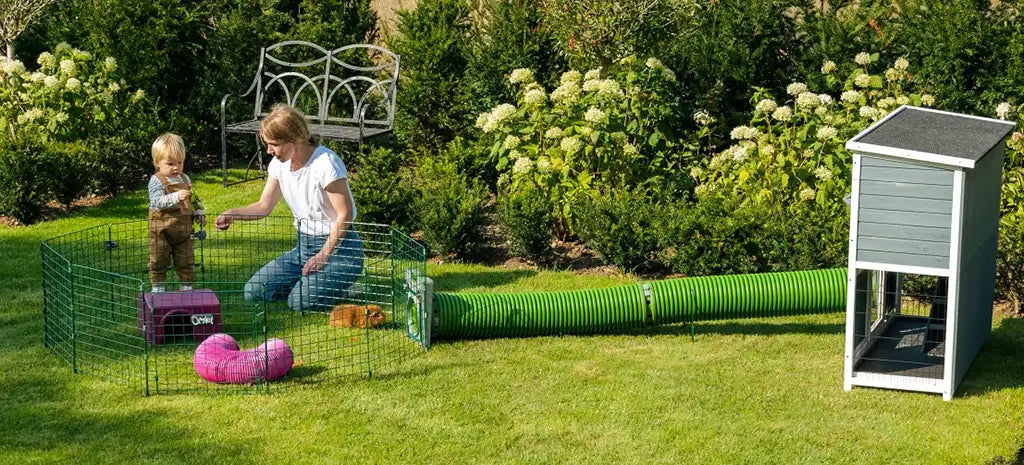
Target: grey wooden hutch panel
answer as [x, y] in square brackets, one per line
[905, 213]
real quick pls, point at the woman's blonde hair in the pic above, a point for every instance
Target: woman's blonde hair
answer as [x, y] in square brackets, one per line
[168, 146]
[285, 124]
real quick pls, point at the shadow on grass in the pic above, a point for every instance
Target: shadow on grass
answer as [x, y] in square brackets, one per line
[455, 282]
[43, 421]
[998, 365]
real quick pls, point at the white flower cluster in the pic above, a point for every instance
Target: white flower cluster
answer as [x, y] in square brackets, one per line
[828, 67]
[744, 133]
[491, 120]
[927, 100]
[783, 114]
[522, 165]
[521, 76]
[566, 93]
[850, 96]
[766, 106]
[862, 58]
[571, 76]
[12, 67]
[110, 64]
[823, 173]
[703, 118]
[73, 84]
[604, 88]
[595, 115]
[553, 133]
[570, 145]
[901, 64]
[807, 100]
[826, 132]
[510, 142]
[1003, 110]
[862, 80]
[68, 67]
[807, 194]
[535, 97]
[796, 88]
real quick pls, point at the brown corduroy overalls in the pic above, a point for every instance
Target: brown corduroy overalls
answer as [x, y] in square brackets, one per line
[170, 234]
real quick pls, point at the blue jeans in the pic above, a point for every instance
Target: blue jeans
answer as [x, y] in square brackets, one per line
[282, 277]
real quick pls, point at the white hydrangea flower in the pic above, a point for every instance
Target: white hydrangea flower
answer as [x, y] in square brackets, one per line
[821, 111]
[595, 115]
[14, 67]
[653, 63]
[592, 75]
[535, 97]
[63, 47]
[850, 96]
[718, 161]
[543, 165]
[807, 194]
[585, 131]
[701, 190]
[902, 100]
[571, 76]
[114, 87]
[893, 75]
[566, 93]
[73, 84]
[498, 116]
[570, 145]
[668, 75]
[696, 172]
[783, 113]
[609, 88]
[766, 106]
[481, 120]
[110, 64]
[796, 88]
[825, 99]
[68, 67]
[927, 100]
[553, 133]
[1003, 110]
[826, 132]
[138, 95]
[33, 114]
[521, 76]
[807, 100]
[46, 59]
[522, 165]
[766, 149]
[510, 142]
[868, 112]
[862, 58]
[503, 179]
[862, 80]
[823, 173]
[591, 85]
[60, 117]
[51, 81]
[739, 153]
[629, 149]
[744, 133]
[828, 67]
[37, 77]
[901, 64]
[886, 103]
[703, 118]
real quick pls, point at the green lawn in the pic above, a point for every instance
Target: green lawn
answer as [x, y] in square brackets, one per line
[748, 391]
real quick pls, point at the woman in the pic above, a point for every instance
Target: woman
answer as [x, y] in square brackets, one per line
[313, 181]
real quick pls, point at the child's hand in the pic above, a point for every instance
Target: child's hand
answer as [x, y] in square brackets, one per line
[184, 194]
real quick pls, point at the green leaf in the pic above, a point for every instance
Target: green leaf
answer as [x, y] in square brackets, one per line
[653, 139]
[502, 163]
[876, 81]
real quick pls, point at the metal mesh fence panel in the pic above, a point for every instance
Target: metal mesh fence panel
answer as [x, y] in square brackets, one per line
[349, 318]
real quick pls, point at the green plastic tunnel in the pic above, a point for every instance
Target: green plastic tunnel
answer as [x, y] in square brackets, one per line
[471, 315]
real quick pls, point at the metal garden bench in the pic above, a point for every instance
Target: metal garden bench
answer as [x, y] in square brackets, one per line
[347, 93]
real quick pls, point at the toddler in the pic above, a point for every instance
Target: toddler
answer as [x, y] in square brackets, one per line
[170, 215]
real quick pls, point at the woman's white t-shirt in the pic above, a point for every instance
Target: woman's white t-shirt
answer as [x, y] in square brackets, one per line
[303, 190]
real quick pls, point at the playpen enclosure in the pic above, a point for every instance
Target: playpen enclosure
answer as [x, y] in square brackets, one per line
[94, 279]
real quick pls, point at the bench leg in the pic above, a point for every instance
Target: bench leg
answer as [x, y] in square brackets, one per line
[224, 154]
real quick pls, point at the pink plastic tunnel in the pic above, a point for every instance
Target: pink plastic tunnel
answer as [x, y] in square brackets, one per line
[218, 359]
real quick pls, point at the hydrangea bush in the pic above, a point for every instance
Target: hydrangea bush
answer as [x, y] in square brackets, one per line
[85, 129]
[596, 130]
[792, 150]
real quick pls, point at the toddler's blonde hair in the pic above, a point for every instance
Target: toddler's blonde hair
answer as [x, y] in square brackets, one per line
[285, 124]
[168, 146]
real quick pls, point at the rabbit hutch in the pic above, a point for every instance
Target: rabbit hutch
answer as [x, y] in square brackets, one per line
[923, 229]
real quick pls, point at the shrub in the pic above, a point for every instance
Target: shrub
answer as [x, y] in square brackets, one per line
[382, 188]
[450, 208]
[434, 103]
[590, 134]
[622, 226]
[24, 176]
[526, 215]
[710, 237]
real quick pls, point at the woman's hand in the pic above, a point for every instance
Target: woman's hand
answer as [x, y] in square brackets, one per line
[315, 263]
[223, 221]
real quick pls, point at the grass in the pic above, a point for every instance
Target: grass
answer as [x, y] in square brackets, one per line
[746, 391]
